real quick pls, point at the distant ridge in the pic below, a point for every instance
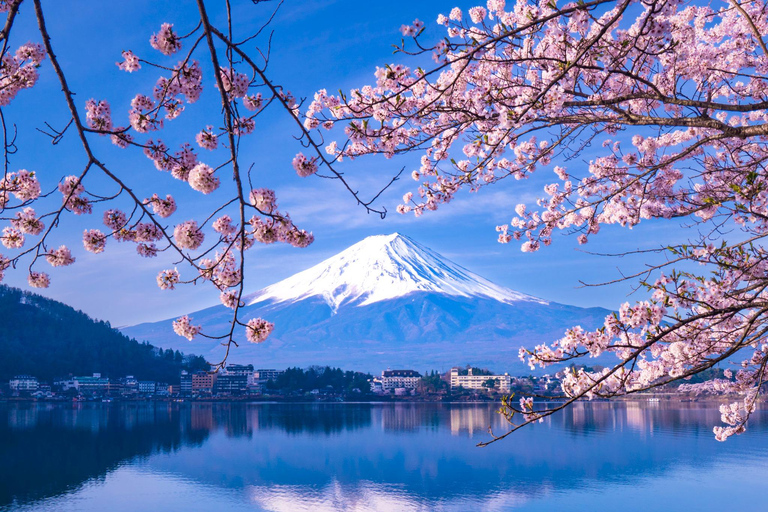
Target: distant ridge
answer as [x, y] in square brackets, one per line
[387, 301]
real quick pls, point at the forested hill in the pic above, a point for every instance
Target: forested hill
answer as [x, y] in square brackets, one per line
[48, 339]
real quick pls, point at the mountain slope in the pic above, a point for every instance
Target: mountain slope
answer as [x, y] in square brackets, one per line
[388, 301]
[48, 339]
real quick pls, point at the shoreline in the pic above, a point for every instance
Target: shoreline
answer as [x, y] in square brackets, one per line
[649, 398]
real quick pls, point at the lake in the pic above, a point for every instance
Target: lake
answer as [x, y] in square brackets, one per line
[628, 456]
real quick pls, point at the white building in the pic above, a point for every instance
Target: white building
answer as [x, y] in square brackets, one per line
[95, 384]
[261, 376]
[23, 383]
[470, 381]
[393, 379]
[147, 387]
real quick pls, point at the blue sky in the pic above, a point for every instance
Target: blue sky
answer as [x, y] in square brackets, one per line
[333, 44]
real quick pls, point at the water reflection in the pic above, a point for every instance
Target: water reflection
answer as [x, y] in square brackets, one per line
[349, 456]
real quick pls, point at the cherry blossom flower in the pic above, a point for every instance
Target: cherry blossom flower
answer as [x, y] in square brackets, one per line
[5, 263]
[184, 328]
[263, 199]
[235, 84]
[130, 63]
[243, 126]
[60, 257]
[115, 219]
[206, 139]
[166, 41]
[253, 101]
[94, 241]
[230, 298]
[304, 167]
[257, 330]
[167, 279]
[12, 238]
[39, 280]
[27, 222]
[202, 179]
[187, 235]
[146, 250]
[224, 225]
[98, 115]
[162, 207]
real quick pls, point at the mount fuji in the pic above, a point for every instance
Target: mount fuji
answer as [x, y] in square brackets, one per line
[386, 301]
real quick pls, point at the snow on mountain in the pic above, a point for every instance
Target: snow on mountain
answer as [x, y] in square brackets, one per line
[385, 301]
[384, 267]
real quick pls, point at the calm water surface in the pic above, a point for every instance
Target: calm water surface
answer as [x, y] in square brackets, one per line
[634, 456]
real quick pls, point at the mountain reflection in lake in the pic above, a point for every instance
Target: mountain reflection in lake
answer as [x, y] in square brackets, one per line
[384, 457]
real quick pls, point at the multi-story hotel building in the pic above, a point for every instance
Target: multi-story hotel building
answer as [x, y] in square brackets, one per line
[471, 381]
[202, 382]
[394, 379]
[24, 383]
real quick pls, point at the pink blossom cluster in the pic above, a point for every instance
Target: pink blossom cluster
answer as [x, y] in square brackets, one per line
[235, 84]
[94, 241]
[60, 257]
[230, 298]
[304, 166]
[22, 184]
[167, 279]
[186, 81]
[223, 271]
[180, 164]
[253, 101]
[142, 116]
[115, 219]
[19, 71]
[257, 330]
[278, 228]
[188, 235]
[243, 126]
[26, 222]
[72, 190]
[183, 327]
[166, 41]
[183, 162]
[202, 179]
[224, 226]
[38, 279]
[162, 207]
[7, 5]
[130, 63]
[98, 115]
[413, 29]
[5, 263]
[147, 232]
[12, 238]
[144, 234]
[206, 139]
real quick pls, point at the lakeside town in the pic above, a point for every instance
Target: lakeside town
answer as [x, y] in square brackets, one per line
[239, 382]
[243, 382]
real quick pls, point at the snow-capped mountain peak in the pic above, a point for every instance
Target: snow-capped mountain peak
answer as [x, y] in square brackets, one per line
[380, 268]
